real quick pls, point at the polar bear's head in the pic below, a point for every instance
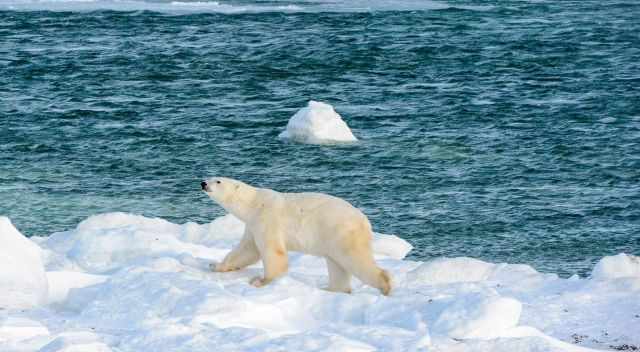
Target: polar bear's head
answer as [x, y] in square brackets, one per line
[224, 191]
[220, 189]
[233, 195]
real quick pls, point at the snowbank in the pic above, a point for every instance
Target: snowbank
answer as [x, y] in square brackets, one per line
[478, 315]
[390, 246]
[121, 282]
[317, 123]
[16, 329]
[617, 266]
[23, 282]
[441, 271]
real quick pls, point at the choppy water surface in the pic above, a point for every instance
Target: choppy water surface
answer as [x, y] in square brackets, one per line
[503, 130]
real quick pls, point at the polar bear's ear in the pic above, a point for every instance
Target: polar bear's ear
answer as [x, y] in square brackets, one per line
[237, 186]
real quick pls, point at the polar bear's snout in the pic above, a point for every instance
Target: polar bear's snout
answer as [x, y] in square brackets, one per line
[204, 186]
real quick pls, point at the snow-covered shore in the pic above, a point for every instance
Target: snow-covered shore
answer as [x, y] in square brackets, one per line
[121, 282]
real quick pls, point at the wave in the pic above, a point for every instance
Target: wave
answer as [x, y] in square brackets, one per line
[188, 7]
[172, 7]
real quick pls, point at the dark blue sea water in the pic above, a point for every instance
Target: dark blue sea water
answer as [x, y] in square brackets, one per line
[503, 130]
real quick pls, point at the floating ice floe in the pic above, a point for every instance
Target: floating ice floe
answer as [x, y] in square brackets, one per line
[122, 282]
[316, 124]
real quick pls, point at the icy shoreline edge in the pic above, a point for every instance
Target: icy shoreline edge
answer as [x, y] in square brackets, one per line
[123, 282]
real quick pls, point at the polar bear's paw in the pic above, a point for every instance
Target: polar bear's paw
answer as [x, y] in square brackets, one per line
[214, 267]
[257, 281]
[219, 267]
[337, 290]
[385, 285]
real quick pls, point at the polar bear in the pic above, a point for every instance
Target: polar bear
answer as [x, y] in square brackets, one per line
[312, 223]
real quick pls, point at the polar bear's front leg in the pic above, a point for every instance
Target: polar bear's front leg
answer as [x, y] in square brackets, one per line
[274, 257]
[244, 254]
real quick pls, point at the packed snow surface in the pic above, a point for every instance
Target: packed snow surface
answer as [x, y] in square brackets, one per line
[317, 123]
[122, 282]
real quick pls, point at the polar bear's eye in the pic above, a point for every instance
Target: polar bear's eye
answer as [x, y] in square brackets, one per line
[218, 182]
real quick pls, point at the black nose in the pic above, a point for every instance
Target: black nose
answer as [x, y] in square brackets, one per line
[203, 185]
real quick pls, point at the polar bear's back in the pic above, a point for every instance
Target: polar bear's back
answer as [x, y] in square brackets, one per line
[319, 223]
[311, 202]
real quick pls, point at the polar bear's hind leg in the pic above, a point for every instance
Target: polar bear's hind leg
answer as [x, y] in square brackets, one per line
[339, 278]
[356, 256]
[361, 264]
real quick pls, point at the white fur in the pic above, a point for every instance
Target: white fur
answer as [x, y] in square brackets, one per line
[311, 223]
